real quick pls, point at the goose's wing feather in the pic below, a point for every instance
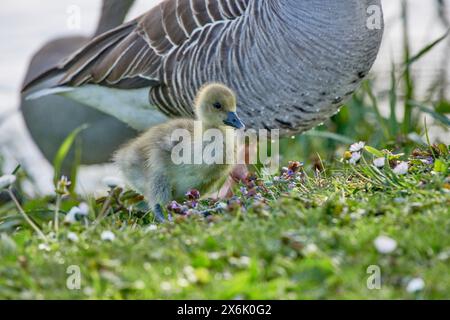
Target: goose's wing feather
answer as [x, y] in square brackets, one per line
[131, 56]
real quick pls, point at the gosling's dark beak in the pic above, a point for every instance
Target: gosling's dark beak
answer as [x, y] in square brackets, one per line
[234, 121]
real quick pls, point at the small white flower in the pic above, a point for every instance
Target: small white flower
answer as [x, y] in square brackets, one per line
[415, 285]
[190, 274]
[7, 180]
[108, 236]
[152, 227]
[182, 282]
[401, 168]
[356, 147]
[81, 210]
[244, 261]
[379, 162]
[139, 285]
[166, 286]
[44, 247]
[72, 237]
[88, 291]
[443, 256]
[385, 244]
[71, 216]
[356, 156]
[310, 248]
[84, 209]
[214, 255]
[221, 205]
[112, 182]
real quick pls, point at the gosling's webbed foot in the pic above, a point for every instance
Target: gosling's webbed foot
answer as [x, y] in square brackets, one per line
[159, 215]
[206, 213]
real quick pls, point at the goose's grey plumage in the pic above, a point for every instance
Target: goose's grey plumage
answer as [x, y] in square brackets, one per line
[51, 119]
[292, 63]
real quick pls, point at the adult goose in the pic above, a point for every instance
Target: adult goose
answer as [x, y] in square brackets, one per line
[292, 63]
[51, 119]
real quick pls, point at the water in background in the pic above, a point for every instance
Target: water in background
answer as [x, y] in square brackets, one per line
[25, 25]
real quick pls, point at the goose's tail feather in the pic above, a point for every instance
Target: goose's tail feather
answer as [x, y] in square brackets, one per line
[47, 92]
[73, 70]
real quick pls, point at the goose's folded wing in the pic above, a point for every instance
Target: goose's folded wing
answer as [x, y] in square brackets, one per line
[131, 55]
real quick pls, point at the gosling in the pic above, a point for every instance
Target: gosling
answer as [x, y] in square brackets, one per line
[147, 164]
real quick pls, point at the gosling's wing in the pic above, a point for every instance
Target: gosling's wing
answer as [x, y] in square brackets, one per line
[132, 55]
[178, 132]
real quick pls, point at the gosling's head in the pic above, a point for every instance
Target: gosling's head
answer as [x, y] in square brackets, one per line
[216, 106]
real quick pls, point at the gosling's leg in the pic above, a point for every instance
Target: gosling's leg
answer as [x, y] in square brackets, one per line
[239, 171]
[238, 174]
[159, 215]
[158, 192]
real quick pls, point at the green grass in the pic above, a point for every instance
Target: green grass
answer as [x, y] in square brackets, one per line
[307, 237]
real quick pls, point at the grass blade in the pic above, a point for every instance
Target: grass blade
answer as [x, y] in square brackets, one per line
[329, 135]
[16, 169]
[426, 49]
[437, 116]
[64, 150]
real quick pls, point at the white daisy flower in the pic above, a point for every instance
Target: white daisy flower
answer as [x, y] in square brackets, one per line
[71, 216]
[112, 182]
[221, 206]
[401, 168]
[385, 245]
[84, 209]
[415, 285]
[356, 156]
[7, 180]
[379, 162]
[88, 291]
[107, 236]
[152, 227]
[244, 261]
[182, 282]
[190, 274]
[310, 248]
[356, 147]
[166, 286]
[72, 237]
[214, 255]
[44, 247]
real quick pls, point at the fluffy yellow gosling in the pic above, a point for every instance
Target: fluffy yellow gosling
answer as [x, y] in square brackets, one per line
[147, 162]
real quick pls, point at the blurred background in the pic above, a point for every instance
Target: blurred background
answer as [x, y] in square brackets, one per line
[389, 111]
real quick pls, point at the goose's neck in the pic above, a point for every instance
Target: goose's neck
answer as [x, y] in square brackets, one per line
[113, 14]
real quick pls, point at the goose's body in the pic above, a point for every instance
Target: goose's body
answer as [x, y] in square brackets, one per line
[148, 162]
[292, 63]
[51, 119]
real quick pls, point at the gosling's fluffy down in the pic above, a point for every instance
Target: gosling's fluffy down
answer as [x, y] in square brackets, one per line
[146, 162]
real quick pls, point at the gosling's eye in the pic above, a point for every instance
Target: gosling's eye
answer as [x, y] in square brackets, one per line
[217, 105]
